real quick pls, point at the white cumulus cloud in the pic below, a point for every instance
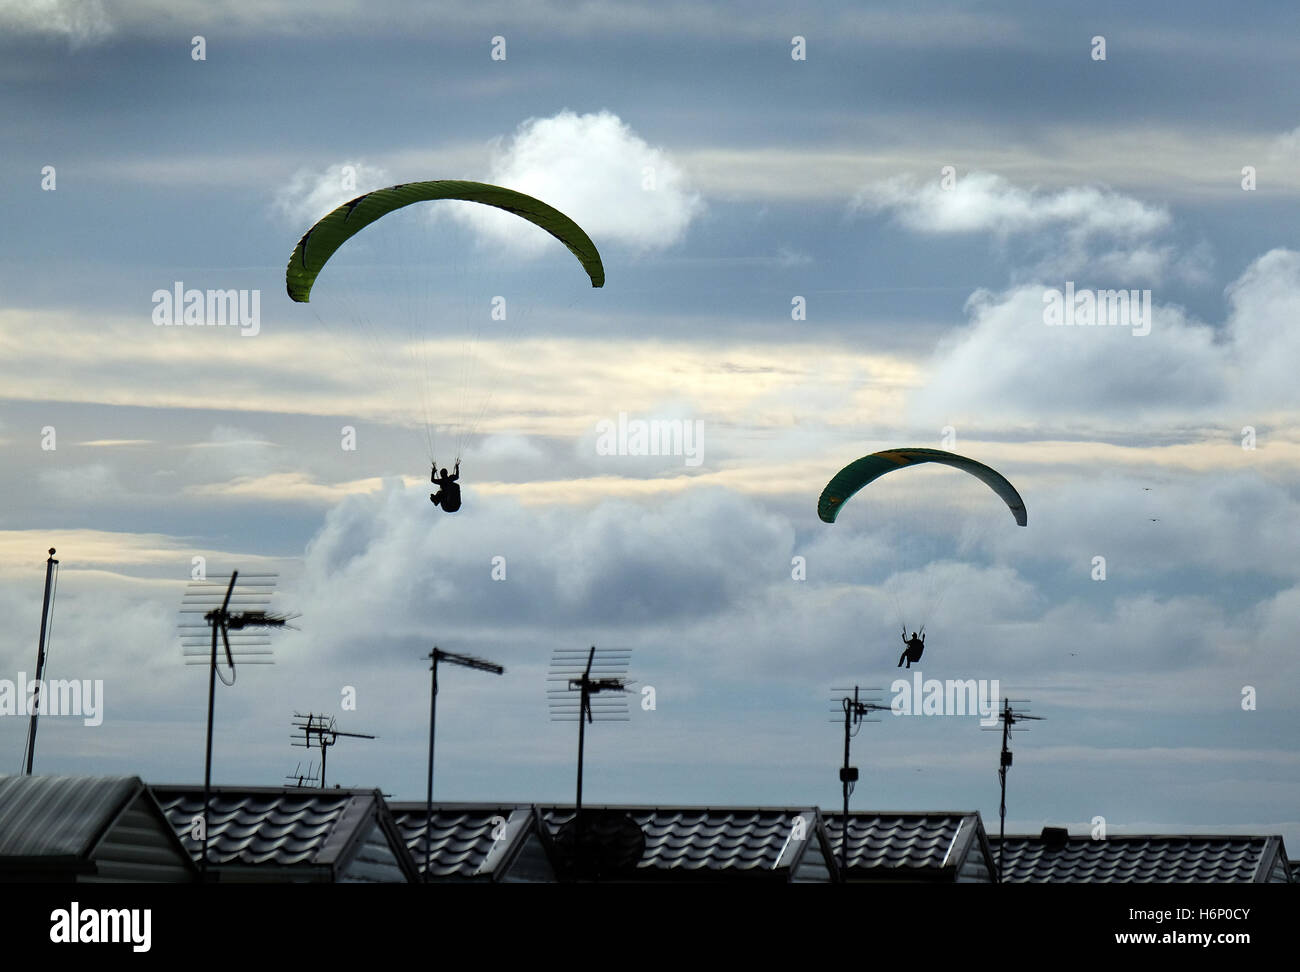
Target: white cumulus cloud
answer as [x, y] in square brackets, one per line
[596, 170]
[1070, 231]
[310, 195]
[985, 202]
[1007, 364]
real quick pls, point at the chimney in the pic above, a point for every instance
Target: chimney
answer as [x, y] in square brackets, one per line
[1055, 836]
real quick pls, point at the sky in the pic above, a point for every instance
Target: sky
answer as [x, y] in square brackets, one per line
[827, 231]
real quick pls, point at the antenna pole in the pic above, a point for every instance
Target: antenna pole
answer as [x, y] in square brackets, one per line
[428, 793]
[856, 710]
[1003, 763]
[217, 623]
[50, 564]
[845, 783]
[207, 759]
[570, 668]
[466, 661]
[1008, 717]
[584, 713]
[198, 600]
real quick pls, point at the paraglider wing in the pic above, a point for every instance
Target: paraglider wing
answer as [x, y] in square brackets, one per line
[320, 242]
[860, 472]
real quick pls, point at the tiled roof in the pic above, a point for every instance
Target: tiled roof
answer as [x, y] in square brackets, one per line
[904, 845]
[347, 835]
[467, 840]
[275, 826]
[1157, 858]
[52, 816]
[737, 841]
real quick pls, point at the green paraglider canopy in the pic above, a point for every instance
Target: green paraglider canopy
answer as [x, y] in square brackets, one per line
[861, 472]
[320, 242]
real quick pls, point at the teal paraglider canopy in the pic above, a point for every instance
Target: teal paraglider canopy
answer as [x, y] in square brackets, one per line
[334, 229]
[862, 472]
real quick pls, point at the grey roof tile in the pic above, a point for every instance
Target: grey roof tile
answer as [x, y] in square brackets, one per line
[1150, 859]
[899, 844]
[282, 827]
[723, 840]
[59, 815]
[462, 835]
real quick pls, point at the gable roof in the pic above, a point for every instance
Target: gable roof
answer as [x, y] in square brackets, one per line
[65, 826]
[268, 828]
[694, 843]
[639, 843]
[913, 846]
[1056, 857]
[469, 841]
[117, 828]
[59, 816]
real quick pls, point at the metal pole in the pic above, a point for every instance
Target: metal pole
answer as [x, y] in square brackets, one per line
[207, 760]
[217, 621]
[40, 664]
[582, 727]
[1002, 779]
[844, 784]
[428, 793]
[583, 707]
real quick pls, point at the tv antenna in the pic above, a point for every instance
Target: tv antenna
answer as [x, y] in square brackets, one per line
[300, 779]
[326, 734]
[584, 673]
[51, 588]
[465, 661]
[213, 597]
[856, 710]
[1008, 717]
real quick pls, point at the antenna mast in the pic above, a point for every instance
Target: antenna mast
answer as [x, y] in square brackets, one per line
[611, 663]
[322, 727]
[467, 661]
[1008, 717]
[201, 597]
[574, 701]
[50, 567]
[856, 711]
[300, 779]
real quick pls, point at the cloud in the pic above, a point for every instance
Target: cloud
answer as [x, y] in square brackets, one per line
[310, 195]
[115, 443]
[350, 19]
[82, 22]
[595, 169]
[983, 202]
[1007, 365]
[391, 555]
[1264, 308]
[285, 487]
[89, 549]
[1075, 230]
[232, 453]
[97, 480]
